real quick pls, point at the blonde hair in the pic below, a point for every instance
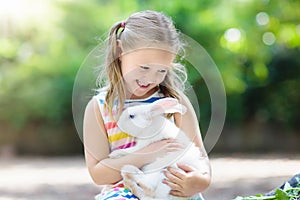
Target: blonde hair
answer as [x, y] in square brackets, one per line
[145, 29]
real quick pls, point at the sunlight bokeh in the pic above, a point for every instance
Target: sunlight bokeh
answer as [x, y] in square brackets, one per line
[18, 15]
[254, 44]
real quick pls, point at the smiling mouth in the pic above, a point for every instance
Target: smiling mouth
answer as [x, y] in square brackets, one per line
[142, 84]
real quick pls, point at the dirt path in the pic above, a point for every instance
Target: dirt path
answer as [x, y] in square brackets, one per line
[249, 175]
[68, 179]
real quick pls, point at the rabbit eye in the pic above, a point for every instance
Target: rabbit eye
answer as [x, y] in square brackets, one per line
[131, 116]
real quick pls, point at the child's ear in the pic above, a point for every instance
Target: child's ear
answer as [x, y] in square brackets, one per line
[119, 49]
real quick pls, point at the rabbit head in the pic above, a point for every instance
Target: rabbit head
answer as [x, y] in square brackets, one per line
[136, 119]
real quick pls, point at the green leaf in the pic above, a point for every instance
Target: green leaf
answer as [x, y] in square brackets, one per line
[282, 195]
[259, 195]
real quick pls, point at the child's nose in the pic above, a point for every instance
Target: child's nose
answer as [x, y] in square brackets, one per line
[152, 77]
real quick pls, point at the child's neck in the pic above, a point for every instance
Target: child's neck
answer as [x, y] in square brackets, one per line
[148, 94]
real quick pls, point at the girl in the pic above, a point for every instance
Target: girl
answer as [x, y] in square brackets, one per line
[140, 69]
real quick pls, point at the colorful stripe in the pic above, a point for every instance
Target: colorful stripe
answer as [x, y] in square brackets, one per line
[150, 100]
[120, 143]
[117, 193]
[131, 144]
[118, 136]
[110, 125]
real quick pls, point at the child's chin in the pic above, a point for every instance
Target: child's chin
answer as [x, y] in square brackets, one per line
[140, 94]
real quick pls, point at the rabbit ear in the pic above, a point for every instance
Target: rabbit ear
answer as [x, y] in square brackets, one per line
[167, 105]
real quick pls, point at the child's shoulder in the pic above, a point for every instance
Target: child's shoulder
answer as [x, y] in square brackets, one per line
[101, 95]
[101, 92]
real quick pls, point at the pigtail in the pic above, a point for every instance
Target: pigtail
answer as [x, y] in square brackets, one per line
[113, 70]
[112, 44]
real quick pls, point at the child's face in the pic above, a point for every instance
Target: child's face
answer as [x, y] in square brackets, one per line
[143, 70]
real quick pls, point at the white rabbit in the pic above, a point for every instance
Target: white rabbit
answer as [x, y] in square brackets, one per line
[148, 124]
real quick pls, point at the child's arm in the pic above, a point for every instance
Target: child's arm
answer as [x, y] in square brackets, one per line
[102, 169]
[188, 123]
[191, 181]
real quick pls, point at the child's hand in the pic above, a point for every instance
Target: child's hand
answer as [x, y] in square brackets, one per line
[185, 183]
[134, 183]
[160, 148]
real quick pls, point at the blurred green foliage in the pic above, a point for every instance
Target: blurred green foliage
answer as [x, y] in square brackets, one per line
[255, 45]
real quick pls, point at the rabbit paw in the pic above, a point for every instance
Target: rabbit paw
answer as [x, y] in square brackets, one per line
[133, 180]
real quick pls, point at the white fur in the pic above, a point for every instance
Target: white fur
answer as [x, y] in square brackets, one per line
[148, 124]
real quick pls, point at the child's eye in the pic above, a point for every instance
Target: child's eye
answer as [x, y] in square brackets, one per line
[144, 67]
[162, 71]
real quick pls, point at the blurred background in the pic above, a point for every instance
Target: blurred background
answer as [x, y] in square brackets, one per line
[255, 45]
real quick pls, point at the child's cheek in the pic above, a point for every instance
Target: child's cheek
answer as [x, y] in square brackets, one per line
[161, 78]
